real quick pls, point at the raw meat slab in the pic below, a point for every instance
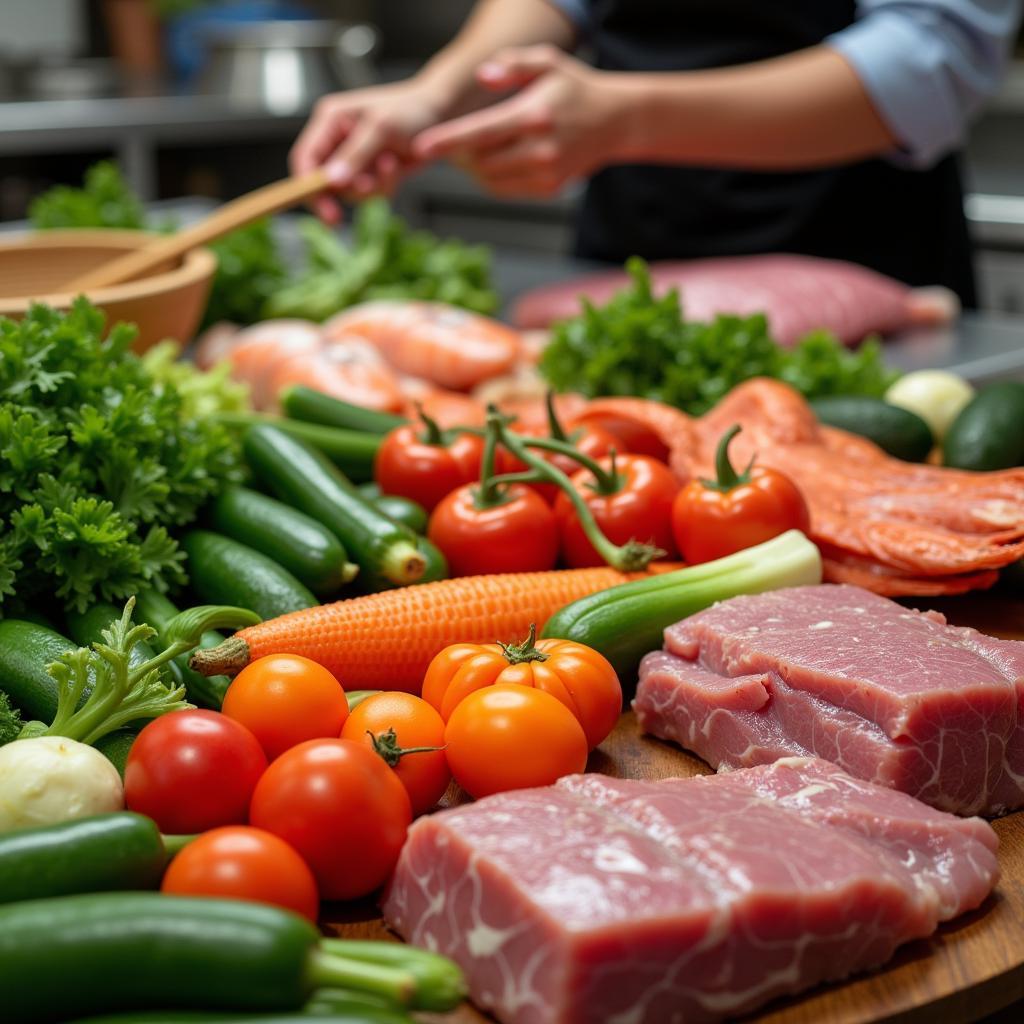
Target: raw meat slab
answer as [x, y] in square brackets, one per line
[684, 900]
[889, 694]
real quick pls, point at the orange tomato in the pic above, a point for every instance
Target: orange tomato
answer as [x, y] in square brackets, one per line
[284, 700]
[398, 725]
[512, 737]
[578, 676]
[238, 862]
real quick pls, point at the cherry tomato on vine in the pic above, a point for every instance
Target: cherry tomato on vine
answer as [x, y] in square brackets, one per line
[239, 862]
[193, 770]
[512, 737]
[398, 726]
[514, 531]
[284, 700]
[341, 808]
[578, 676]
[712, 519]
[424, 463]
[636, 504]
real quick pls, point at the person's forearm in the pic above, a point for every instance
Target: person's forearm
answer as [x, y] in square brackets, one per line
[804, 110]
[450, 75]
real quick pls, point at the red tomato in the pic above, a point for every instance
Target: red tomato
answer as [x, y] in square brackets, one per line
[639, 509]
[193, 770]
[389, 723]
[590, 440]
[239, 862]
[743, 509]
[512, 737]
[284, 700]
[341, 807]
[424, 464]
[517, 535]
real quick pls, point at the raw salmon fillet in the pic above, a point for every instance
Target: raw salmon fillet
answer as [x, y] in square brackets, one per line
[687, 900]
[891, 695]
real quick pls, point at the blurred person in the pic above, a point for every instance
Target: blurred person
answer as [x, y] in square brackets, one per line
[705, 127]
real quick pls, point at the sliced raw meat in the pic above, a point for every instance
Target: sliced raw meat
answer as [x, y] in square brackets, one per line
[891, 695]
[689, 900]
[798, 294]
[893, 526]
[443, 344]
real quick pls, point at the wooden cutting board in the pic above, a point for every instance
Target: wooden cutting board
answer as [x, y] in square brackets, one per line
[970, 967]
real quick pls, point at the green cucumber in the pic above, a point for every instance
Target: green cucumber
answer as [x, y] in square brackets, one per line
[305, 479]
[403, 510]
[989, 432]
[436, 569]
[626, 622]
[203, 691]
[117, 745]
[98, 854]
[370, 491]
[898, 431]
[222, 571]
[26, 648]
[302, 403]
[308, 550]
[352, 451]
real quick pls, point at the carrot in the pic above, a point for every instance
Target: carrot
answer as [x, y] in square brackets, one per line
[386, 641]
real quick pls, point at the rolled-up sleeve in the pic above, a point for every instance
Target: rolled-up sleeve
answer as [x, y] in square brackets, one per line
[928, 66]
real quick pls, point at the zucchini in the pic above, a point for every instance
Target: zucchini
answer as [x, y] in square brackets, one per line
[98, 854]
[26, 648]
[352, 451]
[901, 433]
[305, 479]
[403, 510]
[308, 550]
[223, 571]
[989, 432]
[203, 691]
[626, 622]
[302, 403]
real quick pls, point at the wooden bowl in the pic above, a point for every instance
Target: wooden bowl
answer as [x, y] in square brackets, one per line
[169, 303]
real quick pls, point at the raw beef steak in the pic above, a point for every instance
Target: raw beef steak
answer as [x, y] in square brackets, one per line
[624, 902]
[797, 294]
[889, 694]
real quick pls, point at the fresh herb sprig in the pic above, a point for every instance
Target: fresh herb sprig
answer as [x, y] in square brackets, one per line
[99, 459]
[640, 344]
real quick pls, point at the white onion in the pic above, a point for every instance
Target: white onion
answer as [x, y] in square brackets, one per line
[937, 396]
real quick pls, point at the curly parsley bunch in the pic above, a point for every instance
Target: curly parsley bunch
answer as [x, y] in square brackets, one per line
[99, 460]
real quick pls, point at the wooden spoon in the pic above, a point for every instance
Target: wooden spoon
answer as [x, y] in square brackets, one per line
[225, 219]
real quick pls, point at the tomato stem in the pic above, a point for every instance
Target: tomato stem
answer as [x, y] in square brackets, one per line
[606, 482]
[386, 744]
[555, 428]
[489, 493]
[432, 433]
[630, 557]
[726, 476]
[516, 654]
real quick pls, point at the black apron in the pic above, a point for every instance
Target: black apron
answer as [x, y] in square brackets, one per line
[907, 223]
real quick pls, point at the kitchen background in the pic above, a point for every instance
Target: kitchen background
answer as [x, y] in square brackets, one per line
[195, 97]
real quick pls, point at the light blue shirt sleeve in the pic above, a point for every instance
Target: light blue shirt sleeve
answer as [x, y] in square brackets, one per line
[929, 65]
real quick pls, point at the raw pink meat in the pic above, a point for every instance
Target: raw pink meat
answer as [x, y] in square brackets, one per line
[797, 293]
[889, 694]
[690, 900]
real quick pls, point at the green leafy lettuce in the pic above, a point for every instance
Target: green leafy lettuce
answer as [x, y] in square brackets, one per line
[99, 460]
[104, 201]
[387, 260]
[640, 344]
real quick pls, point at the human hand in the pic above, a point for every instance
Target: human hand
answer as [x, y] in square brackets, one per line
[364, 139]
[559, 125]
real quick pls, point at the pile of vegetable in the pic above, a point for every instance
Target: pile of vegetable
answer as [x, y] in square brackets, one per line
[385, 260]
[640, 345]
[100, 459]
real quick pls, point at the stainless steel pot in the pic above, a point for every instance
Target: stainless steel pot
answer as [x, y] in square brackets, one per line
[286, 66]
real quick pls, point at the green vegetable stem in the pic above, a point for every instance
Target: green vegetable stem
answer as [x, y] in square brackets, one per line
[629, 557]
[115, 690]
